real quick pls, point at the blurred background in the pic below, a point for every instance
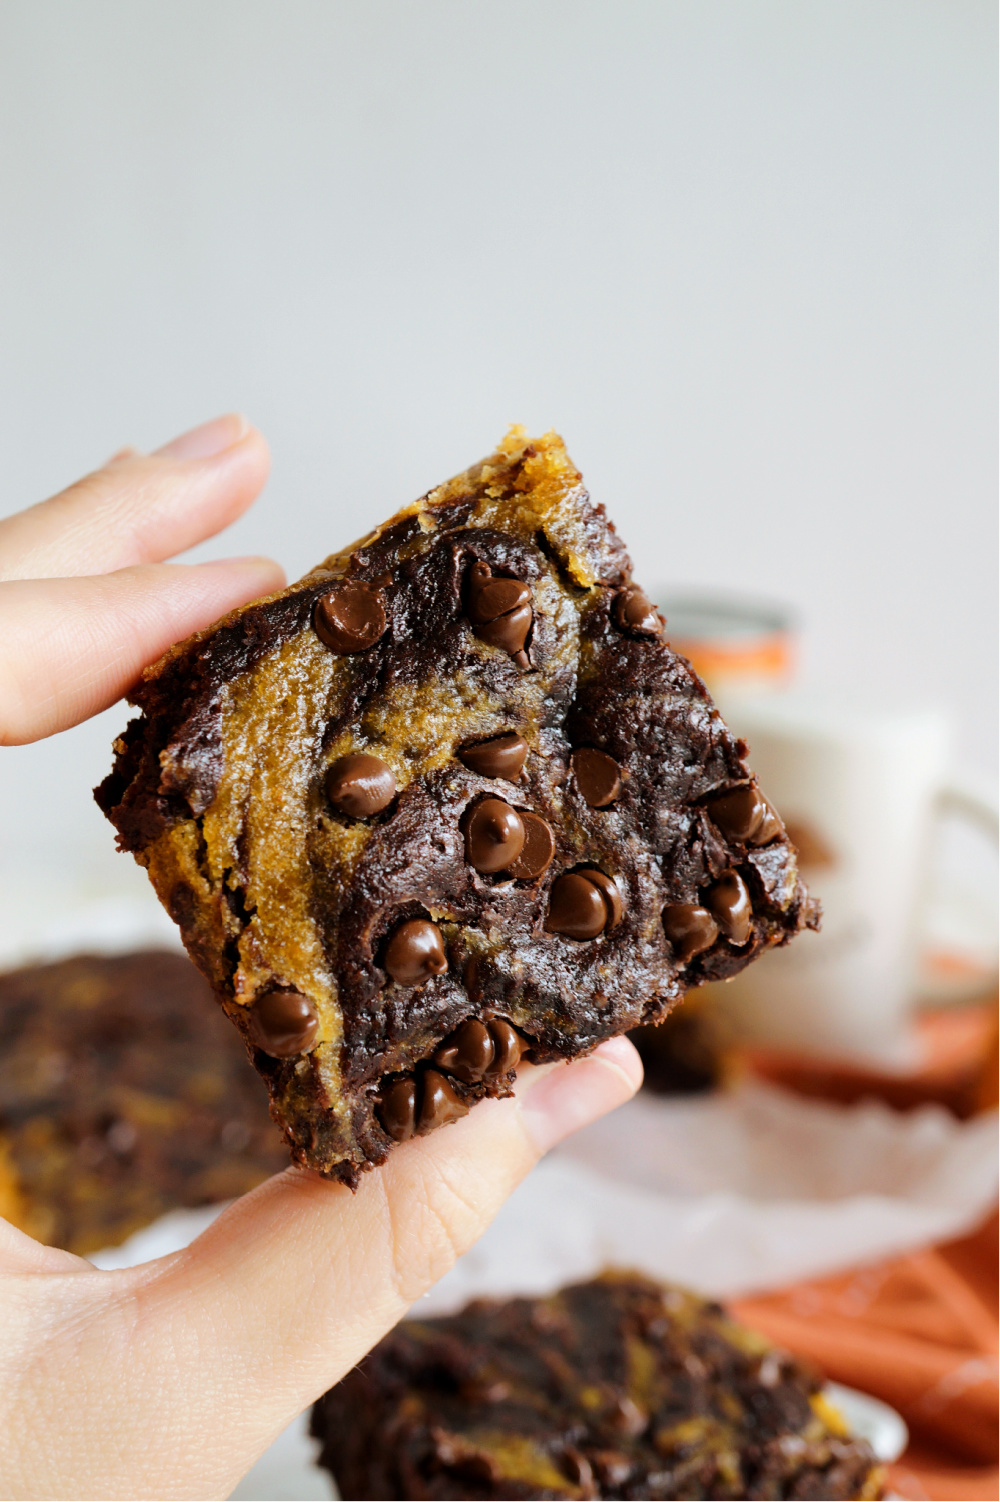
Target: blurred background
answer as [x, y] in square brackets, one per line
[740, 255]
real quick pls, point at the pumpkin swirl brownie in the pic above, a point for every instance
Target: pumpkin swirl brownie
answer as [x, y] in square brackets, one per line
[449, 800]
[123, 1094]
[614, 1388]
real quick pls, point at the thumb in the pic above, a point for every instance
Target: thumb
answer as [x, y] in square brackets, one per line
[233, 1337]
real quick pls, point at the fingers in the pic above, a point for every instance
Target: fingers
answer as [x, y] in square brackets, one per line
[71, 647]
[223, 1344]
[140, 508]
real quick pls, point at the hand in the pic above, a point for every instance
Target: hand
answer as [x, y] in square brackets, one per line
[170, 1379]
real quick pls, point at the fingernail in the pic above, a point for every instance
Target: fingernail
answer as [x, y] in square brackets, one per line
[570, 1097]
[209, 440]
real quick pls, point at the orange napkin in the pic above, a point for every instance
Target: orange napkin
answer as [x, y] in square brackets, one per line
[919, 1332]
[956, 1066]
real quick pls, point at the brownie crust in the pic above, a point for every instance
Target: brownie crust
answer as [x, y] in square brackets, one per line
[498, 608]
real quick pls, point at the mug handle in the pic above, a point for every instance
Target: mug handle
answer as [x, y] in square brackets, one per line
[966, 801]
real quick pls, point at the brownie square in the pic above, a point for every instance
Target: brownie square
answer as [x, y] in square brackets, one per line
[448, 801]
[620, 1387]
[124, 1093]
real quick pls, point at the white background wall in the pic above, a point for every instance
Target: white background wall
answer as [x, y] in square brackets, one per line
[740, 252]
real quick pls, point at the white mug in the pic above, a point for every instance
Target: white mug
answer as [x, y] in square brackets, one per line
[859, 792]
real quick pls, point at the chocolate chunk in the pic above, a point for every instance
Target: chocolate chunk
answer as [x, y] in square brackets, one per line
[500, 756]
[351, 618]
[537, 851]
[283, 1023]
[627, 1417]
[483, 1390]
[729, 903]
[467, 1053]
[508, 1046]
[494, 835]
[508, 631]
[690, 929]
[397, 1109]
[744, 814]
[438, 1104]
[612, 1466]
[633, 611]
[738, 813]
[490, 597]
[609, 890]
[578, 908]
[415, 952]
[578, 1469]
[598, 776]
[769, 827]
[360, 785]
[499, 609]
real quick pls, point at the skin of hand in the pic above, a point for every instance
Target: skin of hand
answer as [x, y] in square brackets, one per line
[170, 1379]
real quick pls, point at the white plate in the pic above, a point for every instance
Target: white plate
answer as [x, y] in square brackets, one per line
[871, 1419]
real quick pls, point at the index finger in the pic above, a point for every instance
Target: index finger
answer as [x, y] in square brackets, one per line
[140, 508]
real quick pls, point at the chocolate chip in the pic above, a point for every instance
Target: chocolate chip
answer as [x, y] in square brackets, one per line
[690, 929]
[598, 776]
[737, 813]
[283, 1023]
[483, 1389]
[351, 618]
[415, 952]
[491, 597]
[500, 756]
[478, 1468]
[537, 851]
[729, 903]
[577, 1467]
[608, 888]
[769, 827]
[499, 608]
[494, 835]
[397, 1109]
[508, 1046]
[466, 1053]
[633, 611]
[438, 1104]
[627, 1417]
[508, 631]
[360, 785]
[577, 907]
[612, 1466]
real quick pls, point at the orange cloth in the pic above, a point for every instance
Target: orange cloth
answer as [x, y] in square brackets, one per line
[956, 1068]
[919, 1332]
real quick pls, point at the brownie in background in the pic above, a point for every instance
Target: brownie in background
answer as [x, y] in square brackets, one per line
[619, 1387]
[124, 1093]
[685, 1053]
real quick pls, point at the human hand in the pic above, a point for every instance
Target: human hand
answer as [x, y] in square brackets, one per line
[170, 1379]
